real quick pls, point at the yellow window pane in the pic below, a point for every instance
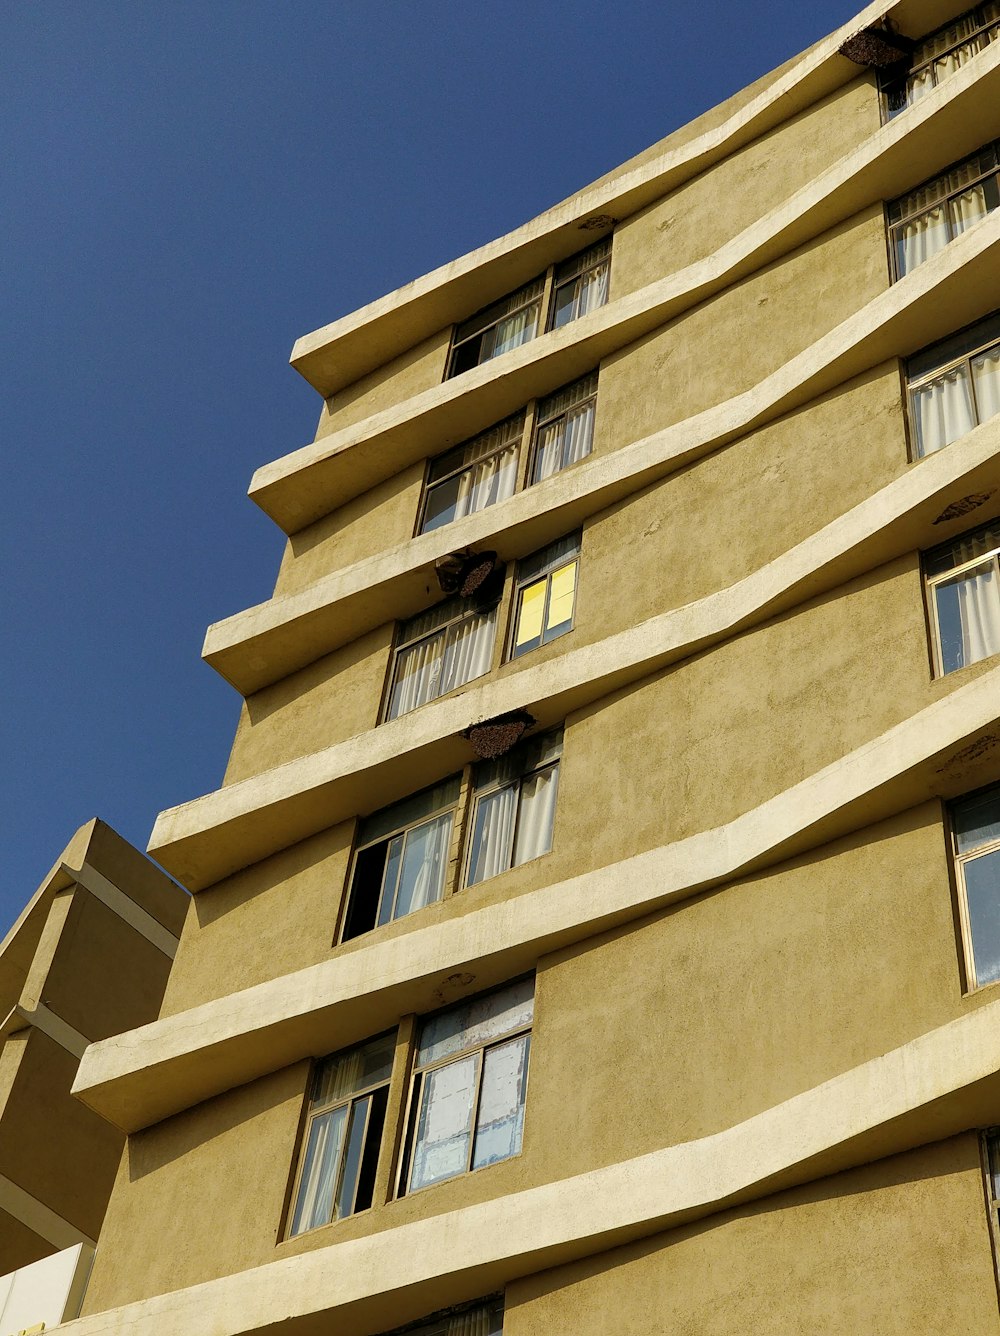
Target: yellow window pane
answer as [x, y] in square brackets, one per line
[563, 590]
[529, 620]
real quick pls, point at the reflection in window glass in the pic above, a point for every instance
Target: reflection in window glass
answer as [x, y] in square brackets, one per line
[469, 1083]
[343, 1134]
[976, 835]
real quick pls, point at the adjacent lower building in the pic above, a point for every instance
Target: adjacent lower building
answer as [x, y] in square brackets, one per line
[597, 927]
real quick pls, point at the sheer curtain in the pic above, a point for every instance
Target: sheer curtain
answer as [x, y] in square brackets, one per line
[593, 290]
[536, 816]
[979, 615]
[968, 208]
[510, 332]
[485, 483]
[922, 237]
[943, 410]
[495, 814]
[564, 441]
[437, 665]
[986, 377]
[474, 1322]
[422, 874]
[319, 1172]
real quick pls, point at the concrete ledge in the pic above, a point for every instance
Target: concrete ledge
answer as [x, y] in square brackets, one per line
[941, 1083]
[138, 1078]
[267, 642]
[311, 481]
[215, 835]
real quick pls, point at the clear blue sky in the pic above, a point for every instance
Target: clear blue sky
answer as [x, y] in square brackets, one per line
[184, 189]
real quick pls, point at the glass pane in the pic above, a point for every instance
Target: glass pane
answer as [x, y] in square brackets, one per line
[410, 810]
[444, 1127]
[442, 504]
[565, 306]
[530, 610]
[477, 1022]
[986, 378]
[390, 882]
[423, 866]
[321, 1160]
[536, 816]
[982, 891]
[561, 599]
[500, 1122]
[489, 851]
[977, 820]
[352, 1157]
[344, 1074]
[943, 410]
[920, 238]
[981, 543]
[968, 611]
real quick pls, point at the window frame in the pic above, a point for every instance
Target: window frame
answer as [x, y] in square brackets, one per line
[893, 226]
[540, 422]
[958, 863]
[454, 807]
[309, 1116]
[889, 79]
[989, 1138]
[541, 290]
[477, 794]
[965, 359]
[947, 576]
[600, 251]
[511, 652]
[416, 1082]
[515, 442]
[467, 610]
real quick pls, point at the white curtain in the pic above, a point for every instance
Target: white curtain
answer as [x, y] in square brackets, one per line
[314, 1205]
[485, 483]
[495, 814]
[943, 410]
[536, 815]
[564, 441]
[979, 614]
[593, 291]
[510, 332]
[986, 377]
[424, 859]
[924, 80]
[967, 209]
[922, 237]
[445, 661]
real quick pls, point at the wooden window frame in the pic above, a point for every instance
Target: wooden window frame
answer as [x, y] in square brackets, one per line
[946, 576]
[476, 795]
[913, 384]
[311, 1113]
[465, 613]
[522, 583]
[894, 225]
[541, 289]
[447, 885]
[417, 1077]
[959, 861]
[985, 28]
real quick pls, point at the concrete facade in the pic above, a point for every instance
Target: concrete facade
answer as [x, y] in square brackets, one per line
[764, 1068]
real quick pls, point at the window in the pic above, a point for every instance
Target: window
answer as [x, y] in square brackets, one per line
[469, 1082]
[955, 385]
[563, 293]
[474, 475]
[564, 428]
[401, 858]
[479, 1319]
[343, 1134]
[514, 807]
[975, 828]
[580, 285]
[940, 55]
[438, 651]
[963, 584]
[546, 595]
[990, 1145]
[923, 222]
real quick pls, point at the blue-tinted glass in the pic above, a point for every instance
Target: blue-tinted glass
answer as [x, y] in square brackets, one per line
[390, 881]
[352, 1157]
[982, 889]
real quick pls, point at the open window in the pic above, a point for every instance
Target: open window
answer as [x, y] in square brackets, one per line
[335, 1176]
[401, 858]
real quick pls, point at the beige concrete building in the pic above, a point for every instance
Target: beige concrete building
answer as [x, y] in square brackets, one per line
[87, 958]
[597, 927]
